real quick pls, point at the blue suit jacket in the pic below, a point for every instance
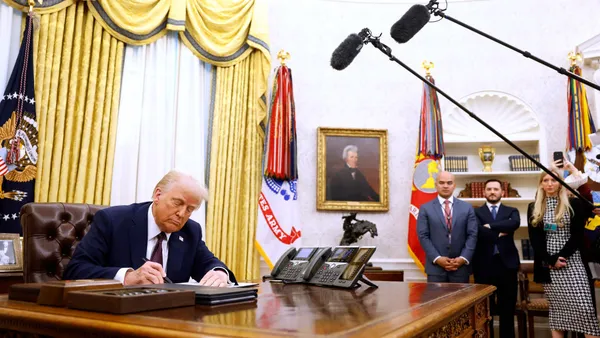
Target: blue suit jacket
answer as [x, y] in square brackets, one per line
[118, 238]
[507, 221]
[433, 234]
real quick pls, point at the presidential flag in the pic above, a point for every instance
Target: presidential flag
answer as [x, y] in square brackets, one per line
[18, 137]
[430, 149]
[278, 207]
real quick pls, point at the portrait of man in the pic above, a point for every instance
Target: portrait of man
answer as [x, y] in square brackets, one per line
[349, 183]
[7, 253]
[352, 168]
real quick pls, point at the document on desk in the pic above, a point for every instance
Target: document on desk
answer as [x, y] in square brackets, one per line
[239, 285]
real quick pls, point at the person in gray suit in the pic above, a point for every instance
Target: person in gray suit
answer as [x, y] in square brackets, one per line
[447, 229]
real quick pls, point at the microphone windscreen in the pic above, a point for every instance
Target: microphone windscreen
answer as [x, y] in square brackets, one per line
[343, 56]
[410, 23]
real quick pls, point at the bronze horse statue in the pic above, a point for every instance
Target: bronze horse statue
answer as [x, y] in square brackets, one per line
[354, 231]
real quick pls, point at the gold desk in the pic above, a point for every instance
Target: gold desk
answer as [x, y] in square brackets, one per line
[393, 310]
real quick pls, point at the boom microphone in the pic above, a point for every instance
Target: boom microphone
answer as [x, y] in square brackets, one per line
[410, 23]
[343, 56]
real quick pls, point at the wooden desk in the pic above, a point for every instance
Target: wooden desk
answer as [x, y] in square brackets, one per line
[385, 275]
[395, 309]
[9, 278]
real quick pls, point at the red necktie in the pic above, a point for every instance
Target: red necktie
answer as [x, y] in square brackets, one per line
[157, 255]
[448, 214]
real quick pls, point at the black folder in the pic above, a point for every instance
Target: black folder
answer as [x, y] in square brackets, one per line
[209, 295]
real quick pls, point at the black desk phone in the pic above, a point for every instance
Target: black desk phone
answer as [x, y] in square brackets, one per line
[344, 267]
[300, 265]
[341, 266]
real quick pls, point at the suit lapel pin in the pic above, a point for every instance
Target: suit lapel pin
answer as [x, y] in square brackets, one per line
[181, 238]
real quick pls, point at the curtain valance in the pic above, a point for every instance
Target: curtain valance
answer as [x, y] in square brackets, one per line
[218, 32]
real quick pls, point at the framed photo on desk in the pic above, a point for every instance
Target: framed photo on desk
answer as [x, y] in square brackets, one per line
[11, 254]
[352, 169]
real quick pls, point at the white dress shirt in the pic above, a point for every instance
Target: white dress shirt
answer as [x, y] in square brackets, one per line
[489, 205]
[153, 232]
[443, 204]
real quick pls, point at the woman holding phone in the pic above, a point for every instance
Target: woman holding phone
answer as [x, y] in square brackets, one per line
[556, 224]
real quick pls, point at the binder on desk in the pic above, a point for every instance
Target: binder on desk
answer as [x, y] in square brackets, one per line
[209, 295]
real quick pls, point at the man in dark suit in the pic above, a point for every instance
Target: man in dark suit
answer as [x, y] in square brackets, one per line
[136, 244]
[447, 230]
[349, 183]
[496, 259]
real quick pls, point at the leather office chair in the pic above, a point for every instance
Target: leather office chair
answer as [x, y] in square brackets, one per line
[51, 232]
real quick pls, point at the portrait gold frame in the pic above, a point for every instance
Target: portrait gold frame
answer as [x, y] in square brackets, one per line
[322, 203]
[16, 240]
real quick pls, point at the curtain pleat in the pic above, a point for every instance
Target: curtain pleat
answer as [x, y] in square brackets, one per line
[78, 75]
[235, 167]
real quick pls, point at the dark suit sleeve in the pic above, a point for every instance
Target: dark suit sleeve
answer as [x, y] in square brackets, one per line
[537, 237]
[484, 233]
[472, 227]
[424, 236]
[204, 261]
[508, 225]
[368, 190]
[90, 257]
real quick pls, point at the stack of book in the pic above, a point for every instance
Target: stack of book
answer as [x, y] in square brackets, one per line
[521, 163]
[455, 163]
[526, 249]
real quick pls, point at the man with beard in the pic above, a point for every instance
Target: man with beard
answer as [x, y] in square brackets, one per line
[496, 259]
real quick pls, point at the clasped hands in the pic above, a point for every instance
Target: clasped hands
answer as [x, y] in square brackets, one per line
[450, 264]
[561, 262]
[153, 273]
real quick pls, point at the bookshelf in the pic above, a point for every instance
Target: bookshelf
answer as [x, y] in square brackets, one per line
[463, 136]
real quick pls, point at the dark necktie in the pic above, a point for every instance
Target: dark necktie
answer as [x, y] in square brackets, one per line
[448, 215]
[494, 213]
[157, 252]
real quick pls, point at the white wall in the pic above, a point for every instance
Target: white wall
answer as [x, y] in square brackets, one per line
[376, 93]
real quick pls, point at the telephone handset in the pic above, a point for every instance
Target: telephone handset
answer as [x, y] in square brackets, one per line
[315, 263]
[344, 267]
[300, 266]
[283, 261]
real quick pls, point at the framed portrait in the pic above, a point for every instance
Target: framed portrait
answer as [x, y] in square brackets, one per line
[11, 255]
[352, 169]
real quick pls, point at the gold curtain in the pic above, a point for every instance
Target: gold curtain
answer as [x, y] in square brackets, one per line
[221, 33]
[78, 81]
[235, 164]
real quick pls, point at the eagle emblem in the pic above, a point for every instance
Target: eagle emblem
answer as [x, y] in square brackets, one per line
[24, 169]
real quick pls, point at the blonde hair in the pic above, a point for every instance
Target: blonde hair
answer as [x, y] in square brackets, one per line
[539, 208]
[174, 176]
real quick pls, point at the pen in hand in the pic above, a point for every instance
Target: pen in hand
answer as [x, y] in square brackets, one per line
[165, 277]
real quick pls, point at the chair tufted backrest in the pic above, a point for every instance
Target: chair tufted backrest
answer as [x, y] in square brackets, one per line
[51, 231]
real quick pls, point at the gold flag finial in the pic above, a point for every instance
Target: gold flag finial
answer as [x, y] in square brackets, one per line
[428, 66]
[283, 56]
[574, 58]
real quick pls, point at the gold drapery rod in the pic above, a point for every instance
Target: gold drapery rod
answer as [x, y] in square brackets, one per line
[428, 66]
[283, 56]
[574, 58]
